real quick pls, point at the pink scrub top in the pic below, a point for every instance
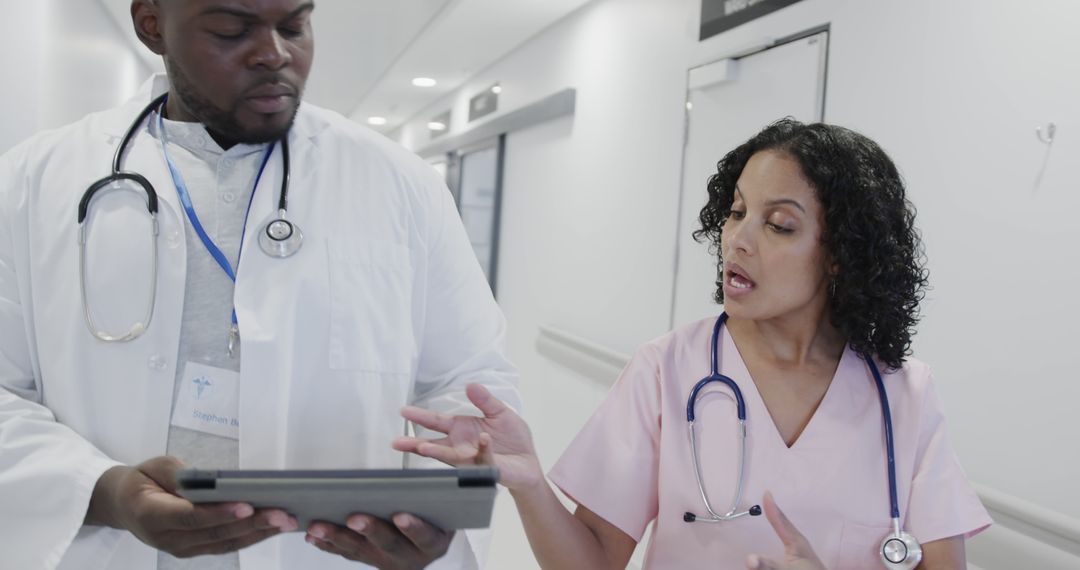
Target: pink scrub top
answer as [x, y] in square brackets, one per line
[631, 464]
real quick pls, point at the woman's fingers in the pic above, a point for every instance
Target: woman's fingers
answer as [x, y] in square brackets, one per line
[450, 455]
[794, 541]
[481, 398]
[796, 546]
[755, 562]
[436, 449]
[409, 444]
[427, 448]
[429, 419]
[484, 453]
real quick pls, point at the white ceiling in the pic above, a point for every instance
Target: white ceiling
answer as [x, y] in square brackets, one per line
[368, 51]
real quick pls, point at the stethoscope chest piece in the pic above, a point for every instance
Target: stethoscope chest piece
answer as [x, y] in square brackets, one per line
[280, 237]
[900, 552]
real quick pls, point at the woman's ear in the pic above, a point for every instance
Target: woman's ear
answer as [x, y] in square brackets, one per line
[146, 17]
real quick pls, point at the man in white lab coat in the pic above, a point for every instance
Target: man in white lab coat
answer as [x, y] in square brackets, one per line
[248, 359]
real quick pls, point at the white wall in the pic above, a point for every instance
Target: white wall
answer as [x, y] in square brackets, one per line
[607, 178]
[957, 104]
[953, 90]
[61, 60]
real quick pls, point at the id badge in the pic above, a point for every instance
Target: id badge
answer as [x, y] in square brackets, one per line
[208, 401]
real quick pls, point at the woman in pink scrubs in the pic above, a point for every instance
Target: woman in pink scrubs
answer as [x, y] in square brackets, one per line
[819, 264]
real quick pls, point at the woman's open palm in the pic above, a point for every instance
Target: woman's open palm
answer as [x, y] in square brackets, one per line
[500, 438]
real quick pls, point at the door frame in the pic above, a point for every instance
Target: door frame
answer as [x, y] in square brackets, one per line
[454, 173]
[823, 78]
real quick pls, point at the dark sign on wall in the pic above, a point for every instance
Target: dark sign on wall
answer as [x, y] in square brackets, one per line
[722, 15]
[484, 103]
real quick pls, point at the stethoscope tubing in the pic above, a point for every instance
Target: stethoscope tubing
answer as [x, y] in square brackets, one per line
[715, 376]
[894, 503]
[118, 156]
[117, 174]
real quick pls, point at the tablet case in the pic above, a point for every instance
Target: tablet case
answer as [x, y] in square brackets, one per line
[447, 498]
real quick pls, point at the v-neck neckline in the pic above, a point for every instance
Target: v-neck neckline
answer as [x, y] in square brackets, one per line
[756, 399]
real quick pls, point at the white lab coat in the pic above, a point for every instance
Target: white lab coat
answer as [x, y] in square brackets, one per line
[384, 305]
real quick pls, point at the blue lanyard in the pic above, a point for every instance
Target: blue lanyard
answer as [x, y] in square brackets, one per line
[189, 208]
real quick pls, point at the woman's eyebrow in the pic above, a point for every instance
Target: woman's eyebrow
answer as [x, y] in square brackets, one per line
[775, 202]
[780, 201]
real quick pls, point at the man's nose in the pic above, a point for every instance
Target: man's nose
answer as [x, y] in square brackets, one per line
[270, 51]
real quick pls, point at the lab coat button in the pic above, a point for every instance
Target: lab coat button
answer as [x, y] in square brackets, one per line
[156, 362]
[173, 240]
[228, 197]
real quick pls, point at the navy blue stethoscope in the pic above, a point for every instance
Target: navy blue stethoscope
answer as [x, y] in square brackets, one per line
[279, 237]
[899, 549]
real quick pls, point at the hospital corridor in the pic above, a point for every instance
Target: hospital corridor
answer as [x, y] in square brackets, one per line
[539, 284]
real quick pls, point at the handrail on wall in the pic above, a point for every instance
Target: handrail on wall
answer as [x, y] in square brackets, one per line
[1061, 526]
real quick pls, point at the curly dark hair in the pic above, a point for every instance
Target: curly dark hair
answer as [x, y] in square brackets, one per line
[869, 230]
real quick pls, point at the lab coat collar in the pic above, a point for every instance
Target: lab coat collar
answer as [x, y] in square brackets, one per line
[305, 126]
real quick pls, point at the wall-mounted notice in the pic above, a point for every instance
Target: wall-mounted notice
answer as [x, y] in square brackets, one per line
[721, 15]
[484, 103]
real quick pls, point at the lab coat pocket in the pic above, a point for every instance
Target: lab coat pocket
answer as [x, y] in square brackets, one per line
[859, 546]
[371, 307]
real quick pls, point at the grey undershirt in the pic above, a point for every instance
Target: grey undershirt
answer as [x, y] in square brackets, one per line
[220, 184]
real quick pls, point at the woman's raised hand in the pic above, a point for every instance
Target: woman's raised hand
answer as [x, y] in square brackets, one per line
[798, 553]
[500, 438]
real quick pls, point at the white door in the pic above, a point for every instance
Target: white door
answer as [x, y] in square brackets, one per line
[728, 102]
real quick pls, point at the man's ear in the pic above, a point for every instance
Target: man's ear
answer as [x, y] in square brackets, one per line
[146, 16]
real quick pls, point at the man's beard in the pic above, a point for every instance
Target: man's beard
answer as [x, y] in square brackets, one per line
[221, 123]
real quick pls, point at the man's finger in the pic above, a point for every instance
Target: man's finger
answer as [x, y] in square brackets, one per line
[482, 399]
[262, 521]
[382, 535]
[162, 470]
[427, 538]
[365, 554]
[341, 540]
[230, 545]
[427, 418]
[789, 535]
[169, 512]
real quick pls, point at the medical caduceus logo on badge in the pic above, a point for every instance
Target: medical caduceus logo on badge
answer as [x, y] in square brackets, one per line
[202, 385]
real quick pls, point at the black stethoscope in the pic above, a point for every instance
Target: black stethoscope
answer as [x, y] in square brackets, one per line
[899, 549]
[279, 237]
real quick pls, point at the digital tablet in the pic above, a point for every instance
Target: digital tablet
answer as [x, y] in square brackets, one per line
[447, 498]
